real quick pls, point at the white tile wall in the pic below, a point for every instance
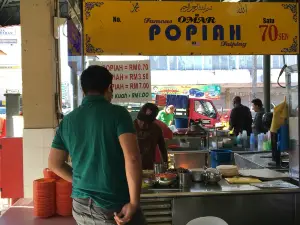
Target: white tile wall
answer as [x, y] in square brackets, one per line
[36, 148]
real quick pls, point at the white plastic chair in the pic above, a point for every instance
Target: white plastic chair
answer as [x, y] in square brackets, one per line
[208, 220]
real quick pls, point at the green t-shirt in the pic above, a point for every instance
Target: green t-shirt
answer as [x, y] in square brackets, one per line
[90, 135]
[165, 117]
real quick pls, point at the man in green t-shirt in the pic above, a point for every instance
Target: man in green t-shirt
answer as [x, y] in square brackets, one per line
[106, 164]
[167, 115]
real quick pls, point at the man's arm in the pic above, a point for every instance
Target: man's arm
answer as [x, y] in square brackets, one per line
[58, 157]
[250, 117]
[57, 163]
[133, 166]
[159, 115]
[171, 120]
[132, 156]
[232, 119]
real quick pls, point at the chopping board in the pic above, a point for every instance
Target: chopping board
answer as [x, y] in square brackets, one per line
[263, 174]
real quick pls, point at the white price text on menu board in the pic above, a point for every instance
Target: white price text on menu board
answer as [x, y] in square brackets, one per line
[131, 81]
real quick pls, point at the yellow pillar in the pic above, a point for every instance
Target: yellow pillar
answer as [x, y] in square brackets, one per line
[39, 74]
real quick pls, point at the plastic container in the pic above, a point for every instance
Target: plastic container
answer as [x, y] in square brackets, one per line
[252, 142]
[260, 141]
[181, 123]
[245, 139]
[220, 157]
[283, 138]
[239, 140]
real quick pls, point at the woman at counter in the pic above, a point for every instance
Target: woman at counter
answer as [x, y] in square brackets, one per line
[149, 136]
[167, 115]
[168, 135]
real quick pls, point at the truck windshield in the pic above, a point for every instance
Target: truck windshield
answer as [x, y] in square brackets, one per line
[205, 108]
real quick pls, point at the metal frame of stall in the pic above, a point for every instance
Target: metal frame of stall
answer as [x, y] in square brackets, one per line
[266, 80]
[228, 204]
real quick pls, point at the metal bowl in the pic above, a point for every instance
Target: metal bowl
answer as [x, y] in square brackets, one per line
[212, 176]
[165, 181]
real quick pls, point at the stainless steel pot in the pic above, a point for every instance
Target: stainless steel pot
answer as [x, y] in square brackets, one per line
[159, 168]
[197, 175]
[184, 179]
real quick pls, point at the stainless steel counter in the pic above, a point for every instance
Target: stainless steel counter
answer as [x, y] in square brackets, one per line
[200, 189]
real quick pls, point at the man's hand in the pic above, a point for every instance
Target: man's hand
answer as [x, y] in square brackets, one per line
[126, 214]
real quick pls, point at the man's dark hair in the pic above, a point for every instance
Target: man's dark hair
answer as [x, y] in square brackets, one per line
[95, 79]
[257, 102]
[237, 100]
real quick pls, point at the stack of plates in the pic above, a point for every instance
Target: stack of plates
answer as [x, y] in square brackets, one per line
[228, 170]
[44, 197]
[63, 198]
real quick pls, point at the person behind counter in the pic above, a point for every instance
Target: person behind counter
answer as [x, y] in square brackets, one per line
[168, 135]
[149, 136]
[240, 117]
[167, 115]
[106, 171]
[257, 126]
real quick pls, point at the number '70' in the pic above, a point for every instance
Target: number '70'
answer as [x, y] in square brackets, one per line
[270, 31]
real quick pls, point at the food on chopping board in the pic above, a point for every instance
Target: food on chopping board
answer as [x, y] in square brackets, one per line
[228, 170]
[242, 180]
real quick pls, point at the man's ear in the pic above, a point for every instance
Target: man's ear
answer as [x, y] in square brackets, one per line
[110, 88]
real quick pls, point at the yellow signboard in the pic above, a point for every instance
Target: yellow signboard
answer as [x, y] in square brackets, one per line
[190, 28]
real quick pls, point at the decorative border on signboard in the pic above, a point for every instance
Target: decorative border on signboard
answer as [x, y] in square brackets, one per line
[89, 6]
[293, 8]
[89, 48]
[293, 48]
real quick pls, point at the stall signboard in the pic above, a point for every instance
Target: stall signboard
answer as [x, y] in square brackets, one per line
[190, 28]
[212, 91]
[131, 80]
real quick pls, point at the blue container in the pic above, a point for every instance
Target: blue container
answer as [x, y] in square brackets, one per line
[181, 123]
[283, 138]
[220, 157]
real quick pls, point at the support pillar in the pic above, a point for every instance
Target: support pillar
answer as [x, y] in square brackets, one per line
[267, 82]
[12, 109]
[254, 77]
[40, 82]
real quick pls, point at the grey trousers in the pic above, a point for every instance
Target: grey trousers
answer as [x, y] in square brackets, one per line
[85, 212]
